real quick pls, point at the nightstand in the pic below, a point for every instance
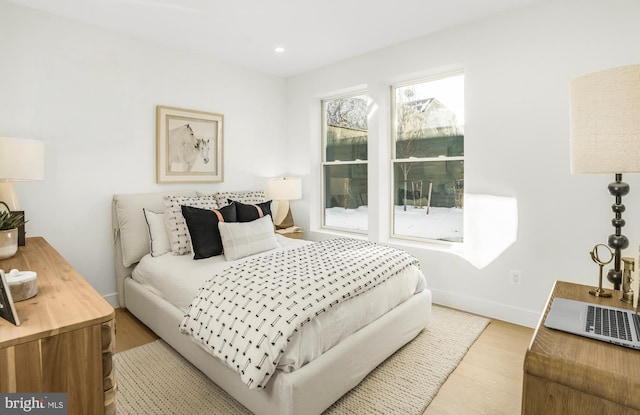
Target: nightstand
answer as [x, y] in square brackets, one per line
[67, 337]
[294, 232]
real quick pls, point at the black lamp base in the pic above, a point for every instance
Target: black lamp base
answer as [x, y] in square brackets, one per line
[617, 241]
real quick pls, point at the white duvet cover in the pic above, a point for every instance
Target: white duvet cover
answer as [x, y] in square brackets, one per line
[178, 279]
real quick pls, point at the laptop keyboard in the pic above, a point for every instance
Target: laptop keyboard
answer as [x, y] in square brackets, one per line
[611, 323]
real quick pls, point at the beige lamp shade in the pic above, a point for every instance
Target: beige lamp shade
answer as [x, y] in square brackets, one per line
[284, 188]
[20, 159]
[605, 121]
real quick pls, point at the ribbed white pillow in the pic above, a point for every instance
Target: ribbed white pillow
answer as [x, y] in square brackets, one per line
[241, 239]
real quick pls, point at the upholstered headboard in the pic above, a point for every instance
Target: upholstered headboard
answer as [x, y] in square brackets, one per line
[131, 239]
[131, 236]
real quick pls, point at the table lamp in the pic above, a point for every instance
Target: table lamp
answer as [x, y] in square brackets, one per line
[605, 138]
[283, 190]
[20, 159]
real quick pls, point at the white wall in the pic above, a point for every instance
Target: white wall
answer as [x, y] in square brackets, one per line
[517, 72]
[91, 95]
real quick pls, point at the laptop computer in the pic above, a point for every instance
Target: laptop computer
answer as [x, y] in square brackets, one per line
[609, 324]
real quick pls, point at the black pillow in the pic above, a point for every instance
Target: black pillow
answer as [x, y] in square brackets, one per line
[248, 213]
[203, 228]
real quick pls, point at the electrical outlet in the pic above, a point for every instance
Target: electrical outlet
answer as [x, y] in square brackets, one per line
[515, 277]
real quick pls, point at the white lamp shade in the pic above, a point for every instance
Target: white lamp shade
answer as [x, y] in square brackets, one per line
[284, 188]
[605, 121]
[21, 159]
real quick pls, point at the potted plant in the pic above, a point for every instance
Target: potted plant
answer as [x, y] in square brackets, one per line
[9, 223]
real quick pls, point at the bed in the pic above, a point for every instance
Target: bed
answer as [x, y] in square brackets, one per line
[325, 358]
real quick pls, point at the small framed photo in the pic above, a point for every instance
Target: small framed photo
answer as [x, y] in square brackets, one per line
[188, 146]
[7, 308]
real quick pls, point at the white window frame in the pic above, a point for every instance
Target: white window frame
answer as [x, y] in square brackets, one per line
[394, 160]
[324, 163]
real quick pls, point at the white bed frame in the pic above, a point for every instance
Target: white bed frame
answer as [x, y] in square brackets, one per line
[308, 390]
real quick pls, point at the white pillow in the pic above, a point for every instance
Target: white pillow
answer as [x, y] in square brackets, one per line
[158, 236]
[175, 223]
[131, 225]
[241, 239]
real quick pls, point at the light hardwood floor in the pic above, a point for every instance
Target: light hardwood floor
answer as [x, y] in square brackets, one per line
[487, 381]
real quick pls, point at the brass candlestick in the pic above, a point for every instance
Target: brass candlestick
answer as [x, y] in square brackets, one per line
[627, 291]
[597, 256]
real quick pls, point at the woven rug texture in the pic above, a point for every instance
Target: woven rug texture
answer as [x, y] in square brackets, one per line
[154, 379]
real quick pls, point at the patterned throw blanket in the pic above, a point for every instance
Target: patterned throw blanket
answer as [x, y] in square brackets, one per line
[246, 314]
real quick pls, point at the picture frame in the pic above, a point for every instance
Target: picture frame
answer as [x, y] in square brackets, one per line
[7, 307]
[189, 146]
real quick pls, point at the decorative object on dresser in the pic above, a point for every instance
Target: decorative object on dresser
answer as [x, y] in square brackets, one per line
[23, 284]
[67, 337]
[7, 308]
[602, 255]
[283, 190]
[605, 138]
[188, 146]
[10, 223]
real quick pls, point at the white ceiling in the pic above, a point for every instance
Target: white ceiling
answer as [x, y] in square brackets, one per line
[246, 32]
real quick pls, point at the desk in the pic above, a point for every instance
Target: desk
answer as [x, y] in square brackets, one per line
[568, 374]
[66, 340]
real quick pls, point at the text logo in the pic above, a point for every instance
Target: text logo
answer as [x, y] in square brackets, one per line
[33, 403]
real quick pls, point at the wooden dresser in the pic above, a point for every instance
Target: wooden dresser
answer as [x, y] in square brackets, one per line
[67, 337]
[566, 374]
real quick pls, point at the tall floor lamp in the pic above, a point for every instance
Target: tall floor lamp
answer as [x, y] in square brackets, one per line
[605, 138]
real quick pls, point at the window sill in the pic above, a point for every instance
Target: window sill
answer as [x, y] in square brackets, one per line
[338, 233]
[446, 247]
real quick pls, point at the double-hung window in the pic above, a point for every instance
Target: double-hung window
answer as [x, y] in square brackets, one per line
[344, 164]
[428, 159]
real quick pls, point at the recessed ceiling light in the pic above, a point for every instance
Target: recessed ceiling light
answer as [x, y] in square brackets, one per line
[279, 49]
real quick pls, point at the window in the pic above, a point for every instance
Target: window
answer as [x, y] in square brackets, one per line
[428, 159]
[344, 166]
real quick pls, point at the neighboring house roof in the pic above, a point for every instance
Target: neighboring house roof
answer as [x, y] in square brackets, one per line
[422, 118]
[426, 118]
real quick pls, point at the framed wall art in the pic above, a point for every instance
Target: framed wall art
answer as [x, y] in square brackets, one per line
[188, 146]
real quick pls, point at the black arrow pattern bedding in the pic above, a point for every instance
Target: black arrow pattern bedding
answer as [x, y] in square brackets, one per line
[246, 314]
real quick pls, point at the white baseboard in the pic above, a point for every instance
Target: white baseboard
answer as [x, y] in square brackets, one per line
[520, 316]
[112, 299]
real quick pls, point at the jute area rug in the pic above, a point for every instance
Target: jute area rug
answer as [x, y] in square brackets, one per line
[153, 379]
